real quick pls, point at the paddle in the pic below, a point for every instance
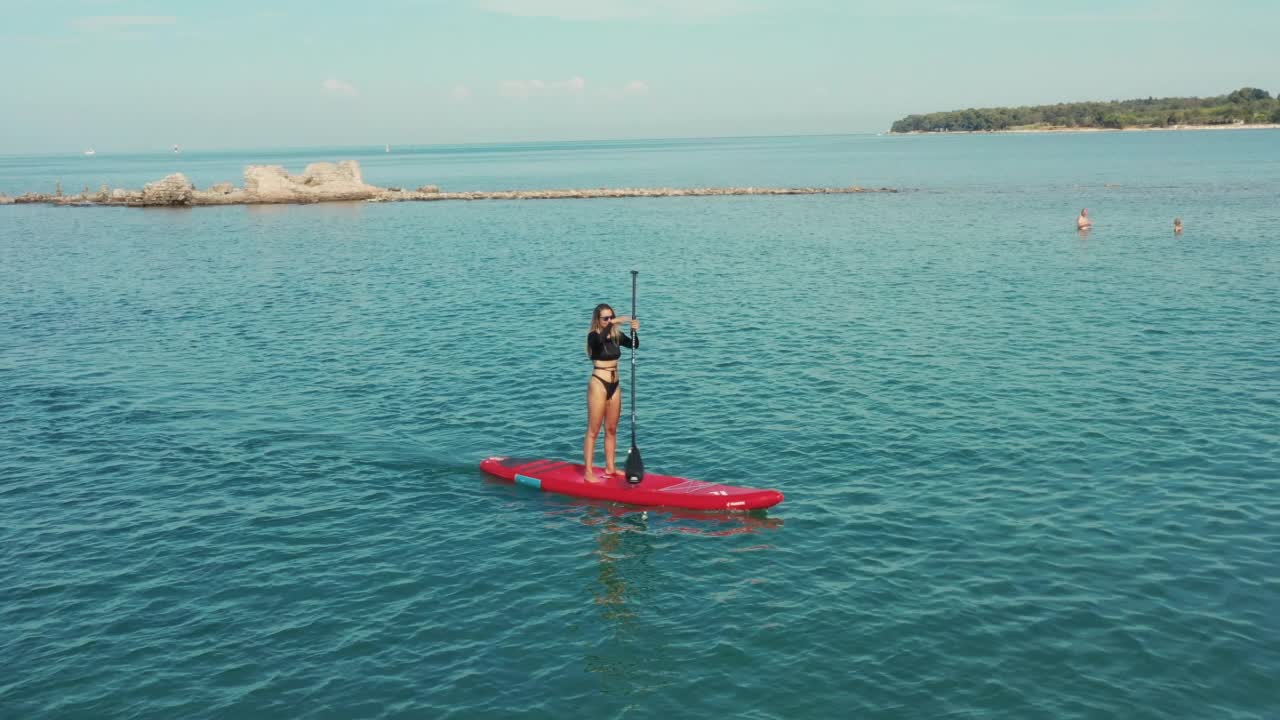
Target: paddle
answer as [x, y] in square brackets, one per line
[635, 466]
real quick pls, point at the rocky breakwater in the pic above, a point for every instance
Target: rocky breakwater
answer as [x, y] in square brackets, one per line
[320, 182]
[433, 194]
[272, 184]
[343, 182]
[263, 184]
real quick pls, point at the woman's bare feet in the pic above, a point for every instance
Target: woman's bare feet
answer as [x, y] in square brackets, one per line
[589, 475]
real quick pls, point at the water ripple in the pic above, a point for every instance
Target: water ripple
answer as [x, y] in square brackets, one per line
[1027, 475]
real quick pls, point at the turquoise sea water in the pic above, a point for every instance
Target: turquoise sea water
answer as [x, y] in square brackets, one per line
[1028, 473]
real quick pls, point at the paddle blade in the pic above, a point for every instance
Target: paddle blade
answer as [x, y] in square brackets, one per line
[635, 466]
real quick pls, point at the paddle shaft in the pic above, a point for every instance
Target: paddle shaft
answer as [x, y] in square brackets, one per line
[634, 273]
[635, 465]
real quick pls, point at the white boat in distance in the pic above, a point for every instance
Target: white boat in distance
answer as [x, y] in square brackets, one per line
[90, 151]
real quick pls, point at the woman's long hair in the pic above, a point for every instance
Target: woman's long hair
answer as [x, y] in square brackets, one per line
[596, 325]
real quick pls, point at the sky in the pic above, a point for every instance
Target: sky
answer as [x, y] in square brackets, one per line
[130, 75]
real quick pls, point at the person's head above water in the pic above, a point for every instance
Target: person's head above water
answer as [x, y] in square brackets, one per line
[602, 318]
[1084, 212]
[602, 323]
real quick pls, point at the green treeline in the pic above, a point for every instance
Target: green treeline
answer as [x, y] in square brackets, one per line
[1246, 105]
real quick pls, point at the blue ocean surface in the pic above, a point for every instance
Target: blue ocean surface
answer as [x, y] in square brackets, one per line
[1028, 473]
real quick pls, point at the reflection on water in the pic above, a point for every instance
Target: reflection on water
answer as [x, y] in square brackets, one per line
[340, 209]
[267, 210]
[658, 520]
[352, 209]
[631, 580]
[167, 210]
[624, 574]
[612, 551]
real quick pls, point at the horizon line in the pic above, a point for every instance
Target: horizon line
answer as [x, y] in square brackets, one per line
[487, 143]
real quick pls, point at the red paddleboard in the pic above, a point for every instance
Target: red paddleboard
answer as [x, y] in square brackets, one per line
[566, 478]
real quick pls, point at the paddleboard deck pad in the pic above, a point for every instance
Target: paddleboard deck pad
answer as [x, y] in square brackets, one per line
[655, 490]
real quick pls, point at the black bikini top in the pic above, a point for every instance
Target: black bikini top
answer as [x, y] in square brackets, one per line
[604, 348]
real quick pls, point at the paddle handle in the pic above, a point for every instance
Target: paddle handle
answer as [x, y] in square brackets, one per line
[634, 273]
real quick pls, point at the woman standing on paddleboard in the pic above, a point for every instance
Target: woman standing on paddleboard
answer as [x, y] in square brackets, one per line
[604, 402]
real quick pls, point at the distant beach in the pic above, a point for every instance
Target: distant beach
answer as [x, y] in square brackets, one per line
[1046, 130]
[1245, 108]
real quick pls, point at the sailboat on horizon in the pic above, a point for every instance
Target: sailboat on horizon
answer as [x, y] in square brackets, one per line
[90, 151]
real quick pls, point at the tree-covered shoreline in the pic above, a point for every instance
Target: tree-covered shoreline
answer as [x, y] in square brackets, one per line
[1244, 106]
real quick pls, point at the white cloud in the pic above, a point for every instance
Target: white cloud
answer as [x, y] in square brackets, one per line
[541, 88]
[461, 93]
[334, 86]
[1010, 11]
[588, 10]
[1084, 18]
[633, 89]
[563, 9]
[98, 23]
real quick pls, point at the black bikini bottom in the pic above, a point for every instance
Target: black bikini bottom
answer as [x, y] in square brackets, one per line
[609, 387]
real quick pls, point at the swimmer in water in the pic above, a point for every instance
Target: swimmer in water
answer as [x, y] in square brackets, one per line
[1083, 222]
[1177, 226]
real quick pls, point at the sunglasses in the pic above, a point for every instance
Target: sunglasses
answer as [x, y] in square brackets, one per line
[606, 318]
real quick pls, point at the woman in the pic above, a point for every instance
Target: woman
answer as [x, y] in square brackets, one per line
[604, 402]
